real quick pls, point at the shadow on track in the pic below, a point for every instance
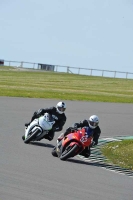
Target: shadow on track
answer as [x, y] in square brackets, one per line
[40, 144]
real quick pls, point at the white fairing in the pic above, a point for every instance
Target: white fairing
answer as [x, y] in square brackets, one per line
[45, 124]
[41, 124]
[31, 126]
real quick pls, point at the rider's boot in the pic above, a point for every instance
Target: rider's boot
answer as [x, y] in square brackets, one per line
[48, 137]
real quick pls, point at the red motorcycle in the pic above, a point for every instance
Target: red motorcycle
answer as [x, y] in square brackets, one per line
[74, 143]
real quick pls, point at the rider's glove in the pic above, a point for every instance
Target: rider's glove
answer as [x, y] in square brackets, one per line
[70, 130]
[76, 125]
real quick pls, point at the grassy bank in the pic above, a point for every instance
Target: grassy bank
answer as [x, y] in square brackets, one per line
[119, 153]
[42, 84]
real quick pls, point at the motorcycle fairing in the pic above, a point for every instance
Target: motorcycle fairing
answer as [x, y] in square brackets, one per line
[80, 136]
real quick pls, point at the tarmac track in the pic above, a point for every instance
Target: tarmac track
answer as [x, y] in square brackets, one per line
[29, 171]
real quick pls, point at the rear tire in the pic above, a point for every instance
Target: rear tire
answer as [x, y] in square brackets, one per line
[69, 153]
[30, 137]
[54, 152]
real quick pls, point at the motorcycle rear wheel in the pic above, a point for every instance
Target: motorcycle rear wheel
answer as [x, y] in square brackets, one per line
[69, 153]
[30, 137]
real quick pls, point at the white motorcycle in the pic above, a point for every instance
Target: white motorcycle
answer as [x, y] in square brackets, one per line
[38, 128]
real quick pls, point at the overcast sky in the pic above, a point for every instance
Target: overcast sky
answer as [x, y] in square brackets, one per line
[78, 33]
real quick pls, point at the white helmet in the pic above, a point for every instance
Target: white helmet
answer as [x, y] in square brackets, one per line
[93, 121]
[61, 107]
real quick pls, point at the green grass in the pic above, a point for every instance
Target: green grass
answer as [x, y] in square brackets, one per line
[53, 85]
[119, 153]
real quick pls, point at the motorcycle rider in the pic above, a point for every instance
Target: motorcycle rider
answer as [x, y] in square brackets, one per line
[57, 113]
[93, 125]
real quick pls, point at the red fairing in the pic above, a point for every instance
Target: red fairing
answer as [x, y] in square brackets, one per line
[78, 137]
[73, 143]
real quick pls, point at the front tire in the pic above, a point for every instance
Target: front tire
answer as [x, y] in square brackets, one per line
[70, 152]
[31, 136]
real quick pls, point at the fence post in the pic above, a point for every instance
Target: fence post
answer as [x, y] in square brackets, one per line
[21, 64]
[102, 72]
[56, 68]
[91, 73]
[114, 74]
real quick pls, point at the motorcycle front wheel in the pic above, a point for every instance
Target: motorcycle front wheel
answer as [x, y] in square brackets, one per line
[69, 152]
[31, 136]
